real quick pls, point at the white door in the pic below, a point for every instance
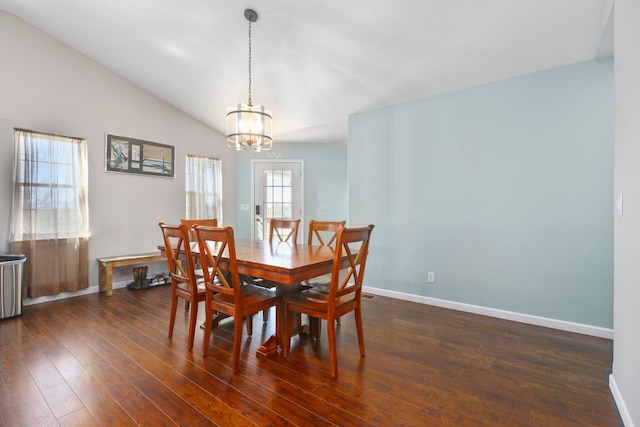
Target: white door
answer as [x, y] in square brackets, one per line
[277, 193]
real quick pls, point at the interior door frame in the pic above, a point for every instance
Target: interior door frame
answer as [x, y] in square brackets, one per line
[301, 232]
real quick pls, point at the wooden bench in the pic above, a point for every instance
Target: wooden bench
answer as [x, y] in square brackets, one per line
[107, 265]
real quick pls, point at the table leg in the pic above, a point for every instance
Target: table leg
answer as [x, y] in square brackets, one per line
[272, 345]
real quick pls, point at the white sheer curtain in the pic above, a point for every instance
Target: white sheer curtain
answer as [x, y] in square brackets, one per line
[50, 211]
[204, 188]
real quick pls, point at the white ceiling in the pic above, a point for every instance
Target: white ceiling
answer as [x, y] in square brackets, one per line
[314, 63]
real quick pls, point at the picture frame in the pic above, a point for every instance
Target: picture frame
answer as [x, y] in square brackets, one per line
[135, 156]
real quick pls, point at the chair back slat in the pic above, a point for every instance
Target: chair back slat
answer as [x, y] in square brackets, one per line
[218, 258]
[323, 230]
[176, 240]
[352, 243]
[208, 222]
[286, 230]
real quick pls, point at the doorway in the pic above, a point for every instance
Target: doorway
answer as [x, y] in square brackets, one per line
[277, 193]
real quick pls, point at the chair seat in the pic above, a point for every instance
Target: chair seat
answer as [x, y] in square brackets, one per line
[200, 274]
[319, 281]
[252, 296]
[318, 285]
[199, 286]
[322, 283]
[315, 301]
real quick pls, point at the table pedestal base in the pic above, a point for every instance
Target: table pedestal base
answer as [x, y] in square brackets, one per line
[271, 347]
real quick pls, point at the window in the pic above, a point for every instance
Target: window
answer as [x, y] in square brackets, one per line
[50, 211]
[51, 182]
[204, 187]
[277, 194]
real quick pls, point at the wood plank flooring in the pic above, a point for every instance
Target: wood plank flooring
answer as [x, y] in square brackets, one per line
[93, 360]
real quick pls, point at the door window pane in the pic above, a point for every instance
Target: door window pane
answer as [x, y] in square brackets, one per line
[277, 199]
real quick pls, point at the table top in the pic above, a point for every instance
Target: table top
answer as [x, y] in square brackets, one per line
[281, 262]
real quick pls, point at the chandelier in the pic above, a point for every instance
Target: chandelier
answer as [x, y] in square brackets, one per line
[248, 125]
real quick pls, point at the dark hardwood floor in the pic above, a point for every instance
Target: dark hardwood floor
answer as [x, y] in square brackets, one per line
[96, 360]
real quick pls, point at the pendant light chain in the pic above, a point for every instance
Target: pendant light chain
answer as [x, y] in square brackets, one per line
[250, 63]
[249, 127]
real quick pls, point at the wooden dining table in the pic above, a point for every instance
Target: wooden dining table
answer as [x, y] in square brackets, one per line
[286, 264]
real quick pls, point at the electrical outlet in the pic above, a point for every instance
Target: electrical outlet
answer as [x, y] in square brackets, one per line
[431, 277]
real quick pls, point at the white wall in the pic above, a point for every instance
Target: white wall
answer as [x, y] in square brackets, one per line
[47, 86]
[625, 380]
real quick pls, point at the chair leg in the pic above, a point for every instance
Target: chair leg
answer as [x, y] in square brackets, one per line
[237, 340]
[333, 353]
[172, 318]
[286, 333]
[186, 305]
[358, 314]
[249, 320]
[207, 330]
[265, 315]
[193, 317]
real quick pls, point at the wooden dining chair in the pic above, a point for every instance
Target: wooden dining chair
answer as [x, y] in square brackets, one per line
[286, 230]
[184, 283]
[208, 222]
[224, 291]
[280, 230]
[323, 233]
[345, 292]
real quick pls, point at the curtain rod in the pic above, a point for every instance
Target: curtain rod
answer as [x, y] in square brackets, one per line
[206, 157]
[47, 133]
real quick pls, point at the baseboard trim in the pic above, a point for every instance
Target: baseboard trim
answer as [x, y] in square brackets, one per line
[622, 407]
[65, 295]
[563, 325]
[469, 308]
[62, 295]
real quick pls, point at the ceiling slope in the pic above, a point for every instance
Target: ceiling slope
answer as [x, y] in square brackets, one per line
[314, 63]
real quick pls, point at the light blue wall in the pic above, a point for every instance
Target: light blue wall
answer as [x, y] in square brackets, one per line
[503, 190]
[325, 181]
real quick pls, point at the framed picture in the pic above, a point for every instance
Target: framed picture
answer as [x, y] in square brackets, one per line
[131, 155]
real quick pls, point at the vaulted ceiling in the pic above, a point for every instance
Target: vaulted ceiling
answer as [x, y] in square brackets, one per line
[314, 63]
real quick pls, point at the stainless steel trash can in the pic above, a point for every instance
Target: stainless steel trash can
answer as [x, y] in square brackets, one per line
[11, 284]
